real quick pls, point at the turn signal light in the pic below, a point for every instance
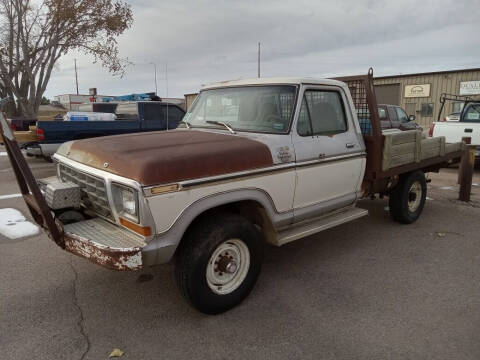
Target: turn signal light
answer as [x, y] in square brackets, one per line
[430, 132]
[142, 230]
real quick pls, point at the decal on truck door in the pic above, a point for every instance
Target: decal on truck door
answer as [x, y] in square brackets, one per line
[284, 154]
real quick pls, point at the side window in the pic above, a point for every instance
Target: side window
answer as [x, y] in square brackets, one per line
[382, 114]
[321, 113]
[127, 112]
[401, 115]
[392, 113]
[304, 127]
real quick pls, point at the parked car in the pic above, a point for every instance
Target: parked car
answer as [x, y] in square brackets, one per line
[250, 164]
[132, 117]
[394, 117]
[391, 117]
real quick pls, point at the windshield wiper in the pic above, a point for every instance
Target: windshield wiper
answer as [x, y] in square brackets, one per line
[187, 124]
[221, 123]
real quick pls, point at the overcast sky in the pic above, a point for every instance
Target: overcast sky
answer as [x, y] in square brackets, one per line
[206, 40]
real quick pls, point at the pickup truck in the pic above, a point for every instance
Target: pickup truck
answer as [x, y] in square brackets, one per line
[468, 125]
[255, 161]
[132, 117]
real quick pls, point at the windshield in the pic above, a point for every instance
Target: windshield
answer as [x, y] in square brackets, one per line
[251, 108]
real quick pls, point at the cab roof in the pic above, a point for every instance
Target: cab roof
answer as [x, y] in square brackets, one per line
[272, 81]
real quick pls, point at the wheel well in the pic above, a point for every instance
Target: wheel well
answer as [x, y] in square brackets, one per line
[250, 209]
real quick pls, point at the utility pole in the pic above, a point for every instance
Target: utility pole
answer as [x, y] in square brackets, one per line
[76, 75]
[258, 59]
[155, 69]
[155, 76]
[166, 85]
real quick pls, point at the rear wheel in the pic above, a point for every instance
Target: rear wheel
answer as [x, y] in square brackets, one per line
[407, 200]
[218, 262]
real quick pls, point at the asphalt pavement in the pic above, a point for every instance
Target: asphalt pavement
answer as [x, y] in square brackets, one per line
[369, 289]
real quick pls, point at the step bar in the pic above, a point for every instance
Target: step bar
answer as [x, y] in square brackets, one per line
[323, 223]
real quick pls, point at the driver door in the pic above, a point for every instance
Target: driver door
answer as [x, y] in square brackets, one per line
[330, 155]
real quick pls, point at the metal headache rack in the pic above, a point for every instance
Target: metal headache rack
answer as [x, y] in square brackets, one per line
[444, 97]
[389, 156]
[365, 102]
[363, 96]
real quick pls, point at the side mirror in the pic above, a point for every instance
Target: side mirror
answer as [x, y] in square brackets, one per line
[411, 117]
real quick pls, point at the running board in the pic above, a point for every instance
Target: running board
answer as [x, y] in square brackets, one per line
[315, 226]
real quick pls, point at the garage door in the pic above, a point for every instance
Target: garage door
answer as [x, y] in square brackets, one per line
[388, 94]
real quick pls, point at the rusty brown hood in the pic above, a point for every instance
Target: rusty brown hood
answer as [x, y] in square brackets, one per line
[163, 157]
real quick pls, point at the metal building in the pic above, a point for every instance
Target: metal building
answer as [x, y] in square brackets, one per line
[419, 94]
[189, 99]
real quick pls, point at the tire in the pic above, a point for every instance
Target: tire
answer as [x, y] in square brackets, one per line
[407, 199]
[218, 262]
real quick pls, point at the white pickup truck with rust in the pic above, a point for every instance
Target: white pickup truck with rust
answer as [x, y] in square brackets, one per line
[263, 160]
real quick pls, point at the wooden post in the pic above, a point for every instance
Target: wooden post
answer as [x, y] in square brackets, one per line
[465, 172]
[467, 141]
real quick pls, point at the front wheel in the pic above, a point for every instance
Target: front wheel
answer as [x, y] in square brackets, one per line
[218, 262]
[407, 199]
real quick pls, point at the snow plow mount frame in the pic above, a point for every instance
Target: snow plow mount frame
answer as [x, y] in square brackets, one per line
[28, 186]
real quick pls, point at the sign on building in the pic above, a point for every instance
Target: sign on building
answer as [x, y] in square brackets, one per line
[469, 87]
[412, 91]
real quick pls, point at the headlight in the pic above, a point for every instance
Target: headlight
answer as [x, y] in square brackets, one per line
[126, 201]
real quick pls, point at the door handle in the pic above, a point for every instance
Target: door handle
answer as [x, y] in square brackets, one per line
[469, 130]
[350, 145]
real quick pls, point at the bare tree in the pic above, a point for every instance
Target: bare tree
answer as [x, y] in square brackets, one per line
[35, 34]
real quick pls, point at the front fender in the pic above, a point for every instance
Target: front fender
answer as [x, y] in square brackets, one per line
[162, 247]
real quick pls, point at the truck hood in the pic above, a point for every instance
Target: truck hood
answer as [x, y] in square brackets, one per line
[163, 157]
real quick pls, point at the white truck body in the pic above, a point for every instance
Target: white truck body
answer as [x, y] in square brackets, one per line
[454, 131]
[467, 126]
[261, 160]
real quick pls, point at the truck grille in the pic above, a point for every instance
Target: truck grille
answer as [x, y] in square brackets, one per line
[94, 192]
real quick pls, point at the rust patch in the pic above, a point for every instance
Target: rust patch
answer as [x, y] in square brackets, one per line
[167, 157]
[115, 259]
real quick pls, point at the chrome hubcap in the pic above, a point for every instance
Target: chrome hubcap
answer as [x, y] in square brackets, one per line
[228, 266]
[414, 196]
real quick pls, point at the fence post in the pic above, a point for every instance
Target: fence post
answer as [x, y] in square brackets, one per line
[465, 172]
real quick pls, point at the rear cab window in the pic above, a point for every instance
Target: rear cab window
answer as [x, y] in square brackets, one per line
[127, 111]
